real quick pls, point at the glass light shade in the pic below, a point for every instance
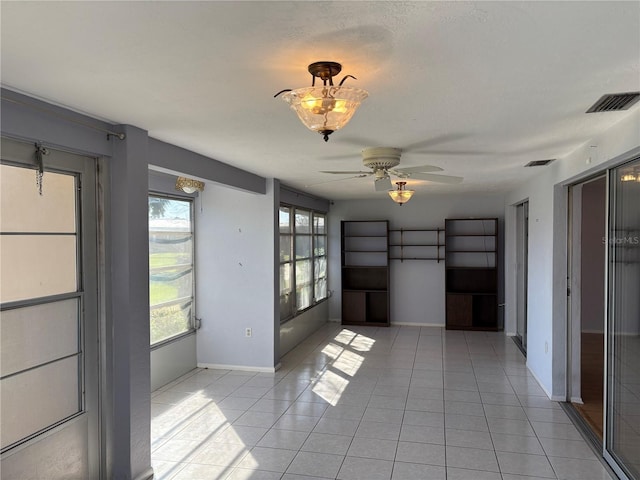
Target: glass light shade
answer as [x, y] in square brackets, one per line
[326, 108]
[629, 177]
[189, 185]
[401, 196]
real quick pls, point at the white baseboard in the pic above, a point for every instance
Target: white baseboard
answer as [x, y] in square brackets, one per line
[335, 320]
[510, 334]
[577, 400]
[555, 398]
[416, 324]
[242, 368]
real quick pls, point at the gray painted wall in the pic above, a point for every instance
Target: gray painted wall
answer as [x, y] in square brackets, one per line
[128, 243]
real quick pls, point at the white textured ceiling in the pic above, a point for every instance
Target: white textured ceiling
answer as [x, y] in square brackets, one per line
[478, 88]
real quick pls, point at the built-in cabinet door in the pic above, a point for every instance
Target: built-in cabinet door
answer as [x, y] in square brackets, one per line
[49, 323]
[622, 439]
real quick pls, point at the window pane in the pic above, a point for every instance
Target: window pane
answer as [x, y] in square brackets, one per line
[285, 247]
[169, 215]
[285, 220]
[320, 291]
[320, 267]
[170, 267]
[31, 336]
[304, 295]
[168, 249]
[33, 266]
[303, 272]
[170, 320]
[304, 290]
[303, 246]
[286, 309]
[170, 284]
[286, 278]
[23, 209]
[303, 221]
[320, 245]
[319, 223]
[38, 398]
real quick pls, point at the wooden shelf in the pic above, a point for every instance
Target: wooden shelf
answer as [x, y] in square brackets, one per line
[416, 244]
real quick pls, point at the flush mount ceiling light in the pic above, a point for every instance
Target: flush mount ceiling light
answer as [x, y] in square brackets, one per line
[189, 185]
[327, 108]
[401, 196]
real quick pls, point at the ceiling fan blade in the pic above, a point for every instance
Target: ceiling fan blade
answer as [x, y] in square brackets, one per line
[335, 180]
[422, 169]
[347, 172]
[382, 184]
[437, 178]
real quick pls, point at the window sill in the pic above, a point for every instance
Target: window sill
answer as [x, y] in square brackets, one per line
[166, 342]
[300, 312]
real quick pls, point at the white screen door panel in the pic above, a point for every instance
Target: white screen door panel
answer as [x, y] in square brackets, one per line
[48, 328]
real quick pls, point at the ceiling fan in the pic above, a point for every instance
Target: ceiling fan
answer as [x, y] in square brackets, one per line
[382, 160]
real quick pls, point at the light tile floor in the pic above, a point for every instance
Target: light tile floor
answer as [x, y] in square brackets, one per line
[399, 403]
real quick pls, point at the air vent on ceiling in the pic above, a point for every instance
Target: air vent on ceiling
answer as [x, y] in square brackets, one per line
[539, 163]
[614, 102]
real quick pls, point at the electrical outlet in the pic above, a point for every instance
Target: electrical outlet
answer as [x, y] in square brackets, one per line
[247, 332]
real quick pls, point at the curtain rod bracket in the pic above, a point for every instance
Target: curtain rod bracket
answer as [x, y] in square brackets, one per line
[119, 136]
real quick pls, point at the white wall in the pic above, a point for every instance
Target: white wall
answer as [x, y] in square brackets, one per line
[234, 277]
[417, 287]
[546, 341]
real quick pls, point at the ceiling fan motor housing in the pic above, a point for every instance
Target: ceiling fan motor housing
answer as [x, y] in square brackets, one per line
[381, 157]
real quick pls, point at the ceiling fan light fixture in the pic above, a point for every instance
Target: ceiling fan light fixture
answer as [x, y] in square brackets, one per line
[401, 195]
[327, 108]
[631, 175]
[189, 185]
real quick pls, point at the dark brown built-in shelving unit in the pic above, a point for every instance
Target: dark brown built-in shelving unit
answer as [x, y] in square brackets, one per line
[471, 273]
[365, 272]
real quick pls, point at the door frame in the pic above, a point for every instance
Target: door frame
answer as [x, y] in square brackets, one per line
[522, 274]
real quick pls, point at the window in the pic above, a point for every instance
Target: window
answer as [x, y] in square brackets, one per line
[171, 283]
[303, 260]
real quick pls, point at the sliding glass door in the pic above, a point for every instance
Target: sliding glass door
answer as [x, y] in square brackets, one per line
[622, 441]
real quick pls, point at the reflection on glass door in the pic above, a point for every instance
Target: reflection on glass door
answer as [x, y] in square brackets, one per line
[623, 368]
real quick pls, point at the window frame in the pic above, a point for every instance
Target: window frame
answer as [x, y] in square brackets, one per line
[192, 318]
[294, 311]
